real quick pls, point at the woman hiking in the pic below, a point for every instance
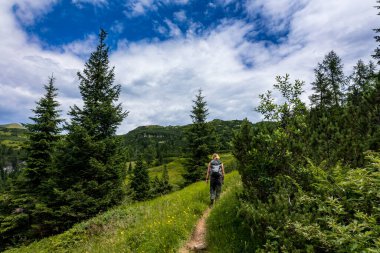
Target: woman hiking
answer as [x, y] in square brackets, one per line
[215, 172]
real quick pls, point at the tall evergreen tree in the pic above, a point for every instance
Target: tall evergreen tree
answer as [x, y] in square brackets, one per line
[161, 186]
[329, 82]
[376, 54]
[91, 165]
[43, 138]
[375, 97]
[201, 140]
[325, 117]
[361, 81]
[140, 180]
[356, 125]
[322, 95]
[333, 72]
[30, 209]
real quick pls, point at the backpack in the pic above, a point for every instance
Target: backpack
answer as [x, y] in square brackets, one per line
[216, 168]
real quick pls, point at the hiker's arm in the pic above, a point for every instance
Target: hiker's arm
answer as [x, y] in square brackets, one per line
[208, 171]
[223, 169]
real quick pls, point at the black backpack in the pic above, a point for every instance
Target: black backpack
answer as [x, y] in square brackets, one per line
[216, 168]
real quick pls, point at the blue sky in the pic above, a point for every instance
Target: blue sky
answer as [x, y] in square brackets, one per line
[164, 51]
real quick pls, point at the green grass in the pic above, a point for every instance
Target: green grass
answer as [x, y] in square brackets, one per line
[12, 135]
[175, 169]
[229, 162]
[226, 231]
[159, 225]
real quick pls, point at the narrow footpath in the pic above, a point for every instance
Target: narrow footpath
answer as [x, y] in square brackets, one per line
[197, 242]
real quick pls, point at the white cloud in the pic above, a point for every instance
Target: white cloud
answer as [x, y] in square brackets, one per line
[26, 67]
[160, 79]
[82, 48]
[140, 7]
[174, 30]
[159, 76]
[180, 16]
[117, 27]
[79, 3]
[28, 10]
[276, 13]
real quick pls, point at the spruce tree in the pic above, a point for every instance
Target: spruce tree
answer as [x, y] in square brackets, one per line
[325, 118]
[376, 54]
[91, 161]
[361, 81]
[356, 125]
[375, 97]
[322, 95]
[43, 138]
[201, 140]
[140, 180]
[333, 72]
[31, 207]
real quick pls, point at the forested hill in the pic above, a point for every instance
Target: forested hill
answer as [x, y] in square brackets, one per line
[154, 141]
[171, 140]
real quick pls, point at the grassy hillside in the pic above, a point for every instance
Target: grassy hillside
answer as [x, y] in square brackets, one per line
[159, 225]
[12, 135]
[176, 169]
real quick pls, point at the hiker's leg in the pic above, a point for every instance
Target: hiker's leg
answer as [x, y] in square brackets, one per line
[212, 190]
[218, 189]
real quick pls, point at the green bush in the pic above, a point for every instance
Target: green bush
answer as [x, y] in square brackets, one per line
[340, 212]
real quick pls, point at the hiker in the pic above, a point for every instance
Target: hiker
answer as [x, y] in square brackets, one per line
[215, 172]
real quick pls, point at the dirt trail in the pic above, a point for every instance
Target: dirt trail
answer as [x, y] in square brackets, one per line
[197, 242]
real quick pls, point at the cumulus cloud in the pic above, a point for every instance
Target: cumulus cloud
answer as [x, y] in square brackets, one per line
[167, 74]
[139, 7]
[82, 48]
[28, 10]
[160, 78]
[26, 67]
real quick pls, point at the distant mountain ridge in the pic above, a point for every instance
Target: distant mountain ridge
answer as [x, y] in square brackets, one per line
[152, 139]
[12, 125]
[171, 140]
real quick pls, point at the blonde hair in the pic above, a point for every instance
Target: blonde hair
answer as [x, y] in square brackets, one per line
[215, 155]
